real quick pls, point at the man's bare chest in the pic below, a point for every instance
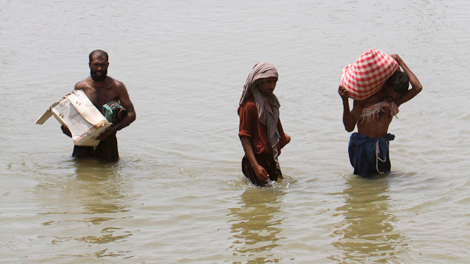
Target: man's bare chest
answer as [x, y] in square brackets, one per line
[101, 95]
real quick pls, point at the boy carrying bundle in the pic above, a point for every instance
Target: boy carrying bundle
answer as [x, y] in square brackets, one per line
[378, 88]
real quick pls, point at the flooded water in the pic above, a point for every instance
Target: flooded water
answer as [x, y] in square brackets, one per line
[178, 195]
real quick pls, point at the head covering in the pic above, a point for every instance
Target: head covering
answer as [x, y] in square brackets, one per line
[368, 74]
[267, 116]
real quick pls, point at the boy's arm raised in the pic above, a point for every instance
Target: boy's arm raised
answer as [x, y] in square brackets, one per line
[416, 86]
[349, 117]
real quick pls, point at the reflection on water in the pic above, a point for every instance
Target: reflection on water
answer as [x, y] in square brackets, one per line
[101, 188]
[184, 63]
[94, 197]
[367, 233]
[255, 225]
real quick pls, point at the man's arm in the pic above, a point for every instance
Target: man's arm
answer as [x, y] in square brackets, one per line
[126, 103]
[416, 86]
[349, 117]
[79, 86]
[259, 171]
[65, 130]
[128, 119]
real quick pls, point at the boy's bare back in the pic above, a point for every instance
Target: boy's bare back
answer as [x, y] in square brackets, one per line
[377, 127]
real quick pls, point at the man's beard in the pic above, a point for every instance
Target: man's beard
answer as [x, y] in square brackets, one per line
[98, 78]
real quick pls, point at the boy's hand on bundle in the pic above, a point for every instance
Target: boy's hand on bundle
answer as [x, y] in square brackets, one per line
[343, 92]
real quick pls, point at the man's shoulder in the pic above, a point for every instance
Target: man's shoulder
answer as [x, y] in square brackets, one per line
[83, 84]
[109, 82]
[115, 83]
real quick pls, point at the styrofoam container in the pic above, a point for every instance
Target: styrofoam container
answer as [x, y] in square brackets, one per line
[76, 112]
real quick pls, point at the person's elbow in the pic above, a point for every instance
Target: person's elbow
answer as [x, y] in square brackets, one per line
[349, 124]
[418, 88]
[132, 116]
[348, 128]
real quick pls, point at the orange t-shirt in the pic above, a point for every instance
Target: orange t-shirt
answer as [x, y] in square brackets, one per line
[251, 127]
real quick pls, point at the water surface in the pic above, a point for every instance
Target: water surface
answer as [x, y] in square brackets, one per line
[178, 195]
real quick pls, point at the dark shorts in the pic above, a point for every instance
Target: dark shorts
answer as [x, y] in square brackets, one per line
[267, 162]
[107, 150]
[368, 155]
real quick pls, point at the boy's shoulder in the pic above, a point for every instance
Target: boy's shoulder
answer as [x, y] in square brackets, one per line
[248, 108]
[372, 100]
[249, 102]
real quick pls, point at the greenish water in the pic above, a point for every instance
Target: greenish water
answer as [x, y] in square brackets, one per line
[178, 195]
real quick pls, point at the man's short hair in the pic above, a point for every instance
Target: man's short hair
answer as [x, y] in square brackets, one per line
[399, 81]
[100, 52]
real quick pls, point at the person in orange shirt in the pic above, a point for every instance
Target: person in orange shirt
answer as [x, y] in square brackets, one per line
[260, 130]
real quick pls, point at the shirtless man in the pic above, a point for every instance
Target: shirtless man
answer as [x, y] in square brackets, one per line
[368, 148]
[102, 89]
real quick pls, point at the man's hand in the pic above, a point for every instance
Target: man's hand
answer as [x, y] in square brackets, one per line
[343, 92]
[261, 173]
[66, 131]
[109, 131]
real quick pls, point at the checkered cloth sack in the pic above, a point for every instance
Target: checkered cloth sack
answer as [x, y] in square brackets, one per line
[368, 74]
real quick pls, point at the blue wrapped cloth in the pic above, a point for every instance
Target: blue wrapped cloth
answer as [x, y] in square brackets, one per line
[369, 155]
[114, 112]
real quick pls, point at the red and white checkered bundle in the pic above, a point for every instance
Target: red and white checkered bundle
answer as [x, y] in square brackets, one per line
[368, 74]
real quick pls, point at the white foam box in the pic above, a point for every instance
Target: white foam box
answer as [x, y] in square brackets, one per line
[76, 112]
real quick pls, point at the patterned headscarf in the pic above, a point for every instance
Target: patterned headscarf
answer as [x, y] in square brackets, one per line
[267, 116]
